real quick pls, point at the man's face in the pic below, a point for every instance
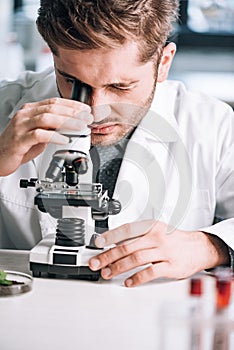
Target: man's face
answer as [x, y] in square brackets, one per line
[122, 87]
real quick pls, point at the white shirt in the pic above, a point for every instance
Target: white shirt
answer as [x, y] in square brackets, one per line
[178, 166]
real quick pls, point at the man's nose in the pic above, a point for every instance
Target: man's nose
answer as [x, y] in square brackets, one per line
[100, 105]
[99, 97]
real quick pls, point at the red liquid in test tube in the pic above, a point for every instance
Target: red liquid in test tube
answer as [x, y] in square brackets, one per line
[196, 286]
[223, 288]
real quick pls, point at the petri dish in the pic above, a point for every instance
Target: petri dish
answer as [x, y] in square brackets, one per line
[22, 283]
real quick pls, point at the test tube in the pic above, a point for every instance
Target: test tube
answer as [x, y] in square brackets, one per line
[195, 293]
[223, 290]
[223, 287]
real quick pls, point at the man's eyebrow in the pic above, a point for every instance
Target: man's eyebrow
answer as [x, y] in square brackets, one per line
[116, 83]
[64, 74]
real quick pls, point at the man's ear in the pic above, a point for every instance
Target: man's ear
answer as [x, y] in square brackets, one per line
[166, 61]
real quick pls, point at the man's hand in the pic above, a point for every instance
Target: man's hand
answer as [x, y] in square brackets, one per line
[177, 254]
[35, 125]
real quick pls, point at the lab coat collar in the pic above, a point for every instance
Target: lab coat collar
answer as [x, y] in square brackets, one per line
[159, 124]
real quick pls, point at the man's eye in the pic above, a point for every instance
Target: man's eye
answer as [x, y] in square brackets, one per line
[120, 88]
[69, 80]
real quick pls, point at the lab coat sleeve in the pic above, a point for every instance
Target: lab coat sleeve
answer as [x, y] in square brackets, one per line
[10, 95]
[28, 87]
[224, 213]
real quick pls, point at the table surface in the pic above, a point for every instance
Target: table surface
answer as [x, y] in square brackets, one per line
[66, 314]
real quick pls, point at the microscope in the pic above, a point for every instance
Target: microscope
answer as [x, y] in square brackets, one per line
[76, 207]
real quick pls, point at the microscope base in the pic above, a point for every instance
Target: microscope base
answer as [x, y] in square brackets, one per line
[53, 271]
[50, 260]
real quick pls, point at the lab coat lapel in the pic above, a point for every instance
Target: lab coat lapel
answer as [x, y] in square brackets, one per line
[142, 174]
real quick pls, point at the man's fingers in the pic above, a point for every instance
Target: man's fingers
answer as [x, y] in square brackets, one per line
[156, 270]
[124, 232]
[55, 122]
[58, 101]
[135, 248]
[136, 259]
[44, 136]
[53, 117]
[61, 113]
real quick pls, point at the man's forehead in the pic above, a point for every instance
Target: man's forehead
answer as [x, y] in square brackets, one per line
[127, 51]
[101, 67]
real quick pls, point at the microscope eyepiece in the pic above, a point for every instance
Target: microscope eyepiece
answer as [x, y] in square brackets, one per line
[81, 92]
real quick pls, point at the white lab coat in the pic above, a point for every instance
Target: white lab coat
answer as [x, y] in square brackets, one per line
[178, 166]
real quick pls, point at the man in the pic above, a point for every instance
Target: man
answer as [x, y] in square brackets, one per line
[177, 174]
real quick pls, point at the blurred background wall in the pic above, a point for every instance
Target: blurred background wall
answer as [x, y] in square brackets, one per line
[204, 36]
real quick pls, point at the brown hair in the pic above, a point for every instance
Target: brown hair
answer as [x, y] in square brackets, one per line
[90, 24]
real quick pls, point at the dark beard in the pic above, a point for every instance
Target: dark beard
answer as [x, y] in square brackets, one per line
[134, 114]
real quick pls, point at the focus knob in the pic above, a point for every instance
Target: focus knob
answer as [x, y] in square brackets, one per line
[114, 207]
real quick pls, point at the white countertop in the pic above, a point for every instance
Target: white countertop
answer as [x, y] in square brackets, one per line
[73, 314]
